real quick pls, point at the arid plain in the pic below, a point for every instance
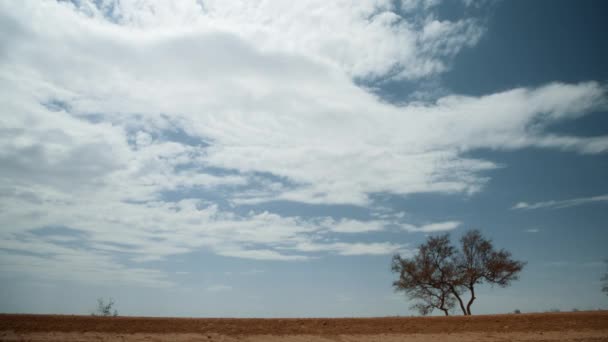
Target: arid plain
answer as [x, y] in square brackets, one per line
[571, 326]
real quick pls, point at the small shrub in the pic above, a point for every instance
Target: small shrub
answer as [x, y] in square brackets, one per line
[517, 311]
[105, 309]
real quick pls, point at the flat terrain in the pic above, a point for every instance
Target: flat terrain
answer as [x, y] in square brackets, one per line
[579, 326]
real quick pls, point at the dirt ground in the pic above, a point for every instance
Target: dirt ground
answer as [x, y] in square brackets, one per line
[578, 326]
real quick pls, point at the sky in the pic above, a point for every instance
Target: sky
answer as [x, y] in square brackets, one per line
[267, 158]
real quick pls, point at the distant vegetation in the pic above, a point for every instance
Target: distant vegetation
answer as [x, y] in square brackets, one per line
[440, 274]
[605, 280]
[105, 309]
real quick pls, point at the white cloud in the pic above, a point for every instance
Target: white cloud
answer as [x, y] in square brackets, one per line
[558, 204]
[578, 264]
[340, 33]
[354, 226]
[344, 248]
[532, 230]
[99, 123]
[259, 254]
[251, 272]
[433, 227]
[80, 265]
[269, 112]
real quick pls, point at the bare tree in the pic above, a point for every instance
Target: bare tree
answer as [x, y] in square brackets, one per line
[428, 275]
[439, 274]
[479, 262]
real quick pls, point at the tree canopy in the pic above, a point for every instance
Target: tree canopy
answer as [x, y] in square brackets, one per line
[439, 274]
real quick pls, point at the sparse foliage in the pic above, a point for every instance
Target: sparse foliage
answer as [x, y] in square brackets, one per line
[478, 262]
[427, 276]
[439, 274]
[105, 309]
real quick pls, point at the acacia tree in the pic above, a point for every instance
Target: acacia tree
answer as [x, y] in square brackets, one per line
[428, 275]
[439, 274]
[479, 262]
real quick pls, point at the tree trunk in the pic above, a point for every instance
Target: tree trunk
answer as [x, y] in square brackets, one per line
[472, 288]
[464, 311]
[442, 307]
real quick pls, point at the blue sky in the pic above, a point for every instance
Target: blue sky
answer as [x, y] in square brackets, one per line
[238, 158]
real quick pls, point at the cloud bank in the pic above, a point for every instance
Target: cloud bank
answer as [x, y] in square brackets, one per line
[122, 130]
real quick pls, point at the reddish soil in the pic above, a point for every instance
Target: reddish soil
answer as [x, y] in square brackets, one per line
[34, 327]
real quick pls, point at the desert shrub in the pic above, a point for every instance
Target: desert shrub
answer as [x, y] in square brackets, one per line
[105, 309]
[516, 311]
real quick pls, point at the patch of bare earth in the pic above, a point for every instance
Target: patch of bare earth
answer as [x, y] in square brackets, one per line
[579, 326]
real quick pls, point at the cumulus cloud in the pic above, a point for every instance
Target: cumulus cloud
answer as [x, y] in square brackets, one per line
[117, 128]
[340, 33]
[558, 204]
